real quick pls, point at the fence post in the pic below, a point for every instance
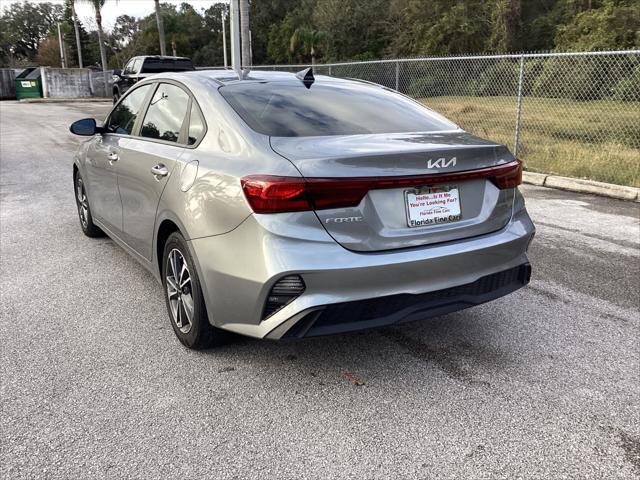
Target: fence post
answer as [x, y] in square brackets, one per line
[516, 142]
[329, 70]
[91, 89]
[105, 76]
[397, 76]
[45, 82]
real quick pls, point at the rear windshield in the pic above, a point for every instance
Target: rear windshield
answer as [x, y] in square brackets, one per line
[287, 109]
[157, 65]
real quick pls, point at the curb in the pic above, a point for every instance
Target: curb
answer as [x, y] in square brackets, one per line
[66, 100]
[583, 186]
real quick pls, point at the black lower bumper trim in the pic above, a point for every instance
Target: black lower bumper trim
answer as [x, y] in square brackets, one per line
[389, 310]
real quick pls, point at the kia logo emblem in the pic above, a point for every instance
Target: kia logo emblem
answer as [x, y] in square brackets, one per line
[441, 162]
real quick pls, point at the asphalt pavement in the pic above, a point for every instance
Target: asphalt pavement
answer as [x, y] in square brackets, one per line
[544, 383]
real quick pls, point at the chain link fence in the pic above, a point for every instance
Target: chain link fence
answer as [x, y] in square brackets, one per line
[572, 114]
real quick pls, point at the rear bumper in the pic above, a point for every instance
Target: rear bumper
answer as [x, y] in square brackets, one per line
[238, 269]
[402, 308]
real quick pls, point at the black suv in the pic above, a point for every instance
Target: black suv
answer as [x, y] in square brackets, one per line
[140, 67]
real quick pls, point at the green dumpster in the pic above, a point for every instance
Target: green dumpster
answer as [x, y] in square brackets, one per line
[29, 84]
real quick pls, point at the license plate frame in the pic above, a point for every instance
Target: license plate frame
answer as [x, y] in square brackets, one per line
[445, 209]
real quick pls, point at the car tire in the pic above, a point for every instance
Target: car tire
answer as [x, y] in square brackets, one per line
[116, 97]
[84, 211]
[184, 299]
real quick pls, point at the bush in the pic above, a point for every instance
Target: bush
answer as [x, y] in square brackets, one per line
[628, 89]
[435, 78]
[560, 79]
[426, 87]
[500, 78]
[579, 78]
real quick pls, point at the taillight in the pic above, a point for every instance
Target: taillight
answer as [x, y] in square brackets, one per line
[274, 194]
[271, 194]
[509, 177]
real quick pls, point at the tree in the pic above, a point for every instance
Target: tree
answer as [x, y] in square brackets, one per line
[23, 26]
[125, 30]
[538, 24]
[444, 27]
[307, 42]
[284, 31]
[196, 35]
[75, 35]
[211, 54]
[615, 25]
[265, 14]
[97, 9]
[279, 36]
[357, 29]
[49, 52]
[505, 22]
[76, 30]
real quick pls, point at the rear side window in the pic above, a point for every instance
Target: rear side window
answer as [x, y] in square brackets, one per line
[289, 109]
[196, 125]
[155, 65]
[128, 70]
[136, 66]
[166, 113]
[124, 116]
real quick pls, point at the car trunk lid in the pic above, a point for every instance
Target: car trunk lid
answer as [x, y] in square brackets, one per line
[418, 212]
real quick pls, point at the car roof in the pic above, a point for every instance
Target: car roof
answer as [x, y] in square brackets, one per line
[229, 77]
[167, 57]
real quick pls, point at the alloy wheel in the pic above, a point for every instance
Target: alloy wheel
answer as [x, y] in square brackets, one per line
[83, 204]
[179, 290]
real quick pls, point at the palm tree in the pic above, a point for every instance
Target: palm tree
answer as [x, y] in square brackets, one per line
[77, 31]
[97, 7]
[309, 42]
[163, 47]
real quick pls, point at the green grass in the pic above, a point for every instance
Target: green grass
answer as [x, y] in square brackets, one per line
[598, 140]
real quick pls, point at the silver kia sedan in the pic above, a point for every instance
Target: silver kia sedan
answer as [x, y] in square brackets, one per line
[286, 205]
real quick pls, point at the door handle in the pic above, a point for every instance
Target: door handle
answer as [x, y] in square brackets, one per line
[159, 171]
[113, 157]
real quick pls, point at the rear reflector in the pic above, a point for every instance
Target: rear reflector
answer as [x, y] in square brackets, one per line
[274, 194]
[283, 292]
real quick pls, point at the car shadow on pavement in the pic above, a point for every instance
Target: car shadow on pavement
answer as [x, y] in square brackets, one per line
[457, 345]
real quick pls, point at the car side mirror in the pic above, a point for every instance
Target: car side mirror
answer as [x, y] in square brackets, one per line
[86, 127]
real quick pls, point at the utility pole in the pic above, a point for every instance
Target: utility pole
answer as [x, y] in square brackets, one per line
[235, 38]
[246, 36]
[224, 34]
[77, 29]
[163, 47]
[62, 62]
